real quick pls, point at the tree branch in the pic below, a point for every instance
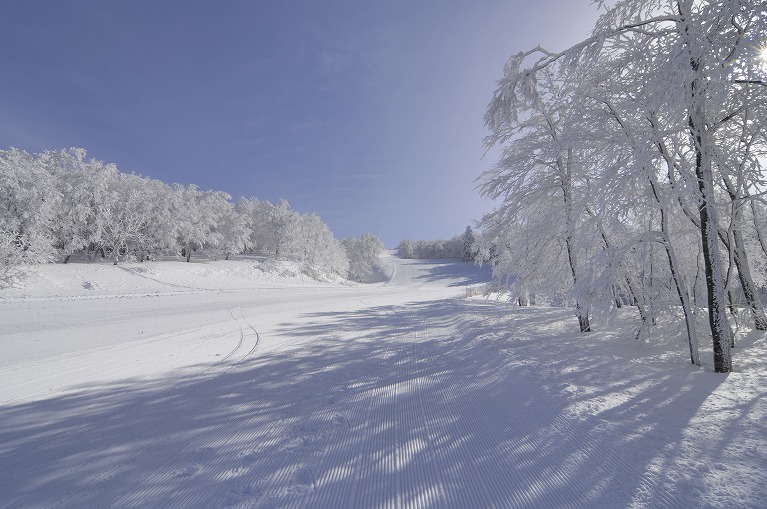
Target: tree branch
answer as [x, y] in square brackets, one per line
[751, 82]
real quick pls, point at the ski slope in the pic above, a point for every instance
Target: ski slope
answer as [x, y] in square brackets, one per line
[215, 385]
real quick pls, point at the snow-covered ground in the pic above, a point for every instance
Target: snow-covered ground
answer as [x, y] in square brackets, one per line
[246, 384]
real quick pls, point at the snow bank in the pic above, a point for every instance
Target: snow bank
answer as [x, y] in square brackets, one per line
[100, 280]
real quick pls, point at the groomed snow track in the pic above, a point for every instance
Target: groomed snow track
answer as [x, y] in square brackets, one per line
[386, 397]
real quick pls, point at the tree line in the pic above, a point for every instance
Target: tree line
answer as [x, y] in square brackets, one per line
[463, 247]
[631, 168]
[58, 203]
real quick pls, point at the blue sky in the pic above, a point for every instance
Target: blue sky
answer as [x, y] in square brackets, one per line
[368, 113]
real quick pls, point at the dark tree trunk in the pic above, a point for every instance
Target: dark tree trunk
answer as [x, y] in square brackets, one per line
[717, 315]
[712, 259]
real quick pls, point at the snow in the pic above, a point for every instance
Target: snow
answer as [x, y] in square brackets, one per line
[243, 383]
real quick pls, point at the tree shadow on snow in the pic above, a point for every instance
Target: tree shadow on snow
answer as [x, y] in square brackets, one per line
[417, 406]
[455, 273]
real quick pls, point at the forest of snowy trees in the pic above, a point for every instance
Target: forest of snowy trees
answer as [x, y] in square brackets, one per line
[631, 168]
[58, 203]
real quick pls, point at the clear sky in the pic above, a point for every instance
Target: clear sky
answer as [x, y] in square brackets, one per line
[368, 113]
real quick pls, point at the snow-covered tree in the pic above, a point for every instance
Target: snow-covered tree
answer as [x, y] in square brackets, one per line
[28, 205]
[533, 116]
[161, 232]
[678, 80]
[363, 255]
[406, 249]
[470, 244]
[197, 215]
[233, 229]
[125, 218]
[75, 210]
[318, 248]
[278, 225]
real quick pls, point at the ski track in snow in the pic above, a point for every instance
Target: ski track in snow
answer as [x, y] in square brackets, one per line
[396, 396]
[248, 340]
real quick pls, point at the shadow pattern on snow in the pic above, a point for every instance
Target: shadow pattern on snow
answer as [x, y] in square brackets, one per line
[412, 407]
[454, 272]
